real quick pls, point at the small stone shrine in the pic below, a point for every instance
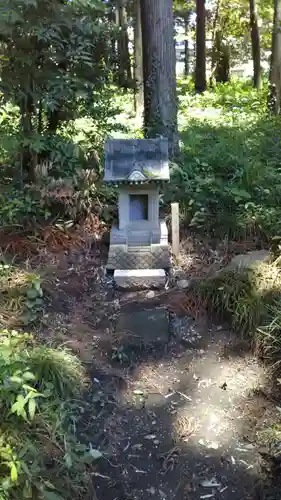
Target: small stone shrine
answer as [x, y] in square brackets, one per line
[139, 249]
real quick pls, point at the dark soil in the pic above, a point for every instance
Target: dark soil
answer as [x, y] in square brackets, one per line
[183, 420]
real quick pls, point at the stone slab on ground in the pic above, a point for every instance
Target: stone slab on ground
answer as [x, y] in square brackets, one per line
[148, 327]
[135, 278]
[247, 260]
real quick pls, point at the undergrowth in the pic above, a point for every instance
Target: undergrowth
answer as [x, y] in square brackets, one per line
[250, 300]
[21, 296]
[228, 182]
[40, 454]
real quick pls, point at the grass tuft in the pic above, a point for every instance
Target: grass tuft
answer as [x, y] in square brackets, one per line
[251, 300]
[40, 455]
[58, 367]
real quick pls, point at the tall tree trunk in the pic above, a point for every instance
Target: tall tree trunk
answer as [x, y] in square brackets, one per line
[187, 15]
[112, 17]
[53, 116]
[274, 102]
[124, 62]
[256, 46]
[214, 49]
[139, 97]
[159, 71]
[28, 155]
[222, 59]
[200, 67]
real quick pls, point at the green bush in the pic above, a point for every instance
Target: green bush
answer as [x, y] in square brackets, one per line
[40, 456]
[228, 183]
[21, 296]
[68, 174]
[19, 207]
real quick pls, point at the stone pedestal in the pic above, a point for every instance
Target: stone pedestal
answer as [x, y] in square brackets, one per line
[139, 243]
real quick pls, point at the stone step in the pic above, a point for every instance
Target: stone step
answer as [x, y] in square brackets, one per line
[149, 327]
[131, 278]
[140, 249]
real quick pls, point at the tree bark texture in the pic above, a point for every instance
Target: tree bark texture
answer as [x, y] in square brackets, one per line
[124, 62]
[139, 96]
[214, 30]
[274, 102]
[200, 65]
[159, 71]
[256, 46]
[222, 59]
[187, 15]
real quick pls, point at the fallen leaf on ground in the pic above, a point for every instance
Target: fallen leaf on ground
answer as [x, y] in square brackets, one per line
[95, 453]
[210, 483]
[209, 444]
[150, 436]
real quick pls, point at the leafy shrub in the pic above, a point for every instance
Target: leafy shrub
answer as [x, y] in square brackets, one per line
[21, 296]
[238, 95]
[9, 125]
[18, 207]
[71, 198]
[228, 182]
[40, 456]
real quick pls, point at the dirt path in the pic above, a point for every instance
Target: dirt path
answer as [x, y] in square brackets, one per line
[179, 421]
[184, 427]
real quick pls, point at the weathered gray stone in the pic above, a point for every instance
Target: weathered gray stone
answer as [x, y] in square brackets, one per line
[136, 160]
[248, 260]
[152, 257]
[137, 166]
[147, 327]
[183, 284]
[135, 278]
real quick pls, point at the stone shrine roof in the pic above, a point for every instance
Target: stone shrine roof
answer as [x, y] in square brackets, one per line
[136, 161]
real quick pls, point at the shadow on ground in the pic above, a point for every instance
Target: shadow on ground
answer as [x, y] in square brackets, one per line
[179, 421]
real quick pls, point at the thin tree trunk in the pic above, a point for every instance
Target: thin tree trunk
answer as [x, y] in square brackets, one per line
[214, 49]
[40, 118]
[54, 115]
[256, 47]
[139, 97]
[186, 44]
[222, 61]
[274, 102]
[26, 111]
[200, 68]
[125, 74]
[159, 71]
[113, 45]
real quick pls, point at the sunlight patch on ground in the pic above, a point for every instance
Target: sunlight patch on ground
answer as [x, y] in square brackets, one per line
[221, 386]
[205, 396]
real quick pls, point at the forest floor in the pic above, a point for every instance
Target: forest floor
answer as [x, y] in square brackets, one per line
[181, 420]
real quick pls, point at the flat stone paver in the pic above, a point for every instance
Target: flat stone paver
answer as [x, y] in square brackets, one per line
[150, 326]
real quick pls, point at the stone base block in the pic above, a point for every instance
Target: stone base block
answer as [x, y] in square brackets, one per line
[135, 278]
[142, 257]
